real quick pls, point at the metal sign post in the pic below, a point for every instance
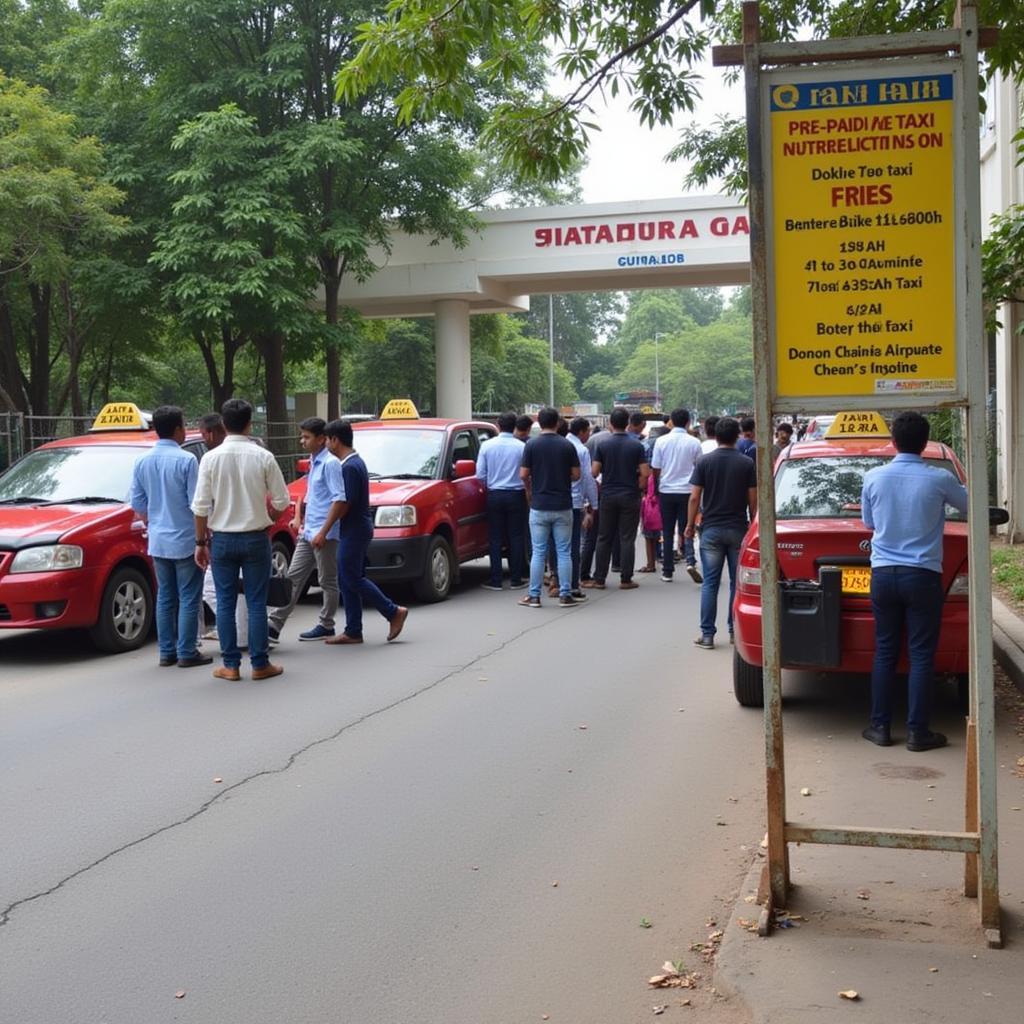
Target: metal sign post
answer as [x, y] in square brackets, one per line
[866, 291]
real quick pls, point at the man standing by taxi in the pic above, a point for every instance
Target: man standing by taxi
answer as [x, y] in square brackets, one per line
[497, 467]
[238, 482]
[317, 544]
[163, 484]
[904, 502]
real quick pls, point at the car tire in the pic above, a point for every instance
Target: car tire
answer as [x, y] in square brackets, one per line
[438, 572]
[126, 612]
[280, 557]
[747, 682]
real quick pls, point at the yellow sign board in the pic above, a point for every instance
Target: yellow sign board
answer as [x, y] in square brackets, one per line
[858, 424]
[120, 416]
[863, 228]
[400, 409]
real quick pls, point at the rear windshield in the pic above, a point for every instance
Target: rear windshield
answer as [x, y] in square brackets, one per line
[829, 487]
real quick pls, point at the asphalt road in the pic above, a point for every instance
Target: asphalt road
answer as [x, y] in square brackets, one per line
[468, 825]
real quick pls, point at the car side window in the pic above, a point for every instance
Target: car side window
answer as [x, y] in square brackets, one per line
[483, 434]
[196, 448]
[464, 447]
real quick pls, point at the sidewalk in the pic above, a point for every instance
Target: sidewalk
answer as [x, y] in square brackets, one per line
[891, 925]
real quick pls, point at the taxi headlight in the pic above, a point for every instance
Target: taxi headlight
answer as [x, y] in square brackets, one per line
[50, 558]
[395, 515]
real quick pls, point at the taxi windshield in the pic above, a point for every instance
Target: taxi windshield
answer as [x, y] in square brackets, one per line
[406, 454]
[58, 475]
[829, 487]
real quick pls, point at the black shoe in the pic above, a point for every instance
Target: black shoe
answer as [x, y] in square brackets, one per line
[168, 662]
[878, 734]
[705, 642]
[925, 740]
[273, 634]
[695, 574]
[199, 659]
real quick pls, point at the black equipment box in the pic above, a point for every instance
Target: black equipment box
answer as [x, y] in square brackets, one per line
[809, 620]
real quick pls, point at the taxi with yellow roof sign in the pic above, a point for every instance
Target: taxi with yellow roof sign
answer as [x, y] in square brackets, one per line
[817, 499]
[429, 507]
[72, 553]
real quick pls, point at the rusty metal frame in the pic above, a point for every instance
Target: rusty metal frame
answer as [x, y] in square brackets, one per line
[979, 840]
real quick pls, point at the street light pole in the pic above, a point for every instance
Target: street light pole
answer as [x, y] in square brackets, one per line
[657, 367]
[551, 350]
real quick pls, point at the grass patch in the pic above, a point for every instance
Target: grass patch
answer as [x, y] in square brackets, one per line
[1008, 571]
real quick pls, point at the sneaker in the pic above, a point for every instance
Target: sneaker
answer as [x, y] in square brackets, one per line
[318, 632]
[878, 734]
[695, 574]
[518, 585]
[529, 602]
[665, 578]
[491, 586]
[566, 601]
[706, 642]
[273, 634]
[925, 740]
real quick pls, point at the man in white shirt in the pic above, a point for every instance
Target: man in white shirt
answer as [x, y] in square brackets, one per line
[710, 443]
[237, 483]
[675, 455]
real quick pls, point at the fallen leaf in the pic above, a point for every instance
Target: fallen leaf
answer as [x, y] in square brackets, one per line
[805, 791]
[658, 1010]
[644, 923]
[218, 779]
[180, 994]
[554, 885]
[543, 1016]
[475, 868]
[934, 970]
[764, 842]
[684, 1002]
[850, 994]
[583, 727]
[863, 894]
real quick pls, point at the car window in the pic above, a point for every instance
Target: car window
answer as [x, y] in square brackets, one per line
[483, 434]
[403, 454]
[196, 448]
[830, 487]
[464, 446]
[72, 474]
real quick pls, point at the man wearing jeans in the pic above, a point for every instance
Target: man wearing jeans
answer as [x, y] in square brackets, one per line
[163, 483]
[238, 483]
[724, 489]
[497, 468]
[317, 544]
[675, 454]
[550, 465]
[904, 502]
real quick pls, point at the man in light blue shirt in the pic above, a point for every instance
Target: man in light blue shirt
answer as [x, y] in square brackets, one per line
[497, 466]
[904, 502]
[163, 485]
[316, 547]
[584, 499]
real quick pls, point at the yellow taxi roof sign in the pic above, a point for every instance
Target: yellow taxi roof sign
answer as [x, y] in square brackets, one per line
[120, 416]
[858, 424]
[400, 409]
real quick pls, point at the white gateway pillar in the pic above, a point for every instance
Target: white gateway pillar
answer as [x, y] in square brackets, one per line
[452, 359]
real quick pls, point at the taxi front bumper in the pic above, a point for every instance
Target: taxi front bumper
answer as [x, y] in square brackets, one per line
[857, 638]
[397, 559]
[66, 599]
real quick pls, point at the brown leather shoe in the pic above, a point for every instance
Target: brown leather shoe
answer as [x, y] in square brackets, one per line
[232, 675]
[593, 584]
[628, 585]
[398, 622]
[344, 638]
[267, 672]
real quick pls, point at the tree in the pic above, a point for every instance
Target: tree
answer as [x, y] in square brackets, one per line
[54, 209]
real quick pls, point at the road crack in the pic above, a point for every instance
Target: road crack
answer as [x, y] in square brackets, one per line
[5, 914]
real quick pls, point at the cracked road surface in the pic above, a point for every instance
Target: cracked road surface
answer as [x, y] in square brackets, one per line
[392, 820]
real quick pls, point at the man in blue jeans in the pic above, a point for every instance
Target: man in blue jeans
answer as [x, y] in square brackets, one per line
[550, 466]
[724, 492]
[904, 502]
[238, 483]
[163, 484]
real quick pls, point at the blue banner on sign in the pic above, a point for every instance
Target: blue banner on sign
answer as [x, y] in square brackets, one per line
[868, 92]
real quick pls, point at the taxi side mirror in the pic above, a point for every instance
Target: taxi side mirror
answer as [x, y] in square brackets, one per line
[463, 468]
[302, 465]
[997, 516]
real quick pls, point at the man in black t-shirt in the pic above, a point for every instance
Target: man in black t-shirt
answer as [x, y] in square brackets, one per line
[621, 462]
[724, 482]
[550, 465]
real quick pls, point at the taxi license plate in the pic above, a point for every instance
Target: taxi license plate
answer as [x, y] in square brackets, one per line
[857, 580]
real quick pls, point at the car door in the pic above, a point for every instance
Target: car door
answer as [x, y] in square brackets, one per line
[470, 501]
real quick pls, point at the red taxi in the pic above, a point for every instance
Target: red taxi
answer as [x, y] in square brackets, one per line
[429, 507]
[72, 553]
[817, 500]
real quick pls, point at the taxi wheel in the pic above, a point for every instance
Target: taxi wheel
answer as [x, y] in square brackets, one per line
[438, 572]
[280, 558]
[747, 682]
[126, 612]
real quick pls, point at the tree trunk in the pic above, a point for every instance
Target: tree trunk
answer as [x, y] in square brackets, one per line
[279, 432]
[39, 350]
[330, 267]
[11, 377]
